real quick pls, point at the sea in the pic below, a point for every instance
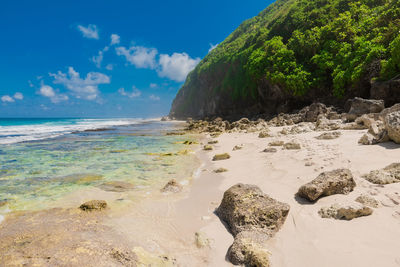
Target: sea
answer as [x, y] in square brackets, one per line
[43, 160]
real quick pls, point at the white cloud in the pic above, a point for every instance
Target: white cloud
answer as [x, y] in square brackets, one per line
[177, 66]
[135, 92]
[90, 32]
[48, 91]
[115, 39]
[18, 96]
[98, 59]
[110, 67]
[154, 98]
[141, 57]
[153, 85]
[212, 47]
[87, 88]
[7, 98]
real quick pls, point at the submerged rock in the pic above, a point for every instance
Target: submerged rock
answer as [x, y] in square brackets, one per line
[221, 156]
[392, 124]
[93, 205]
[252, 217]
[3, 202]
[172, 186]
[339, 181]
[345, 211]
[329, 136]
[388, 175]
[117, 186]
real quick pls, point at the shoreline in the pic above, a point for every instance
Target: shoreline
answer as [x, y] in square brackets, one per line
[182, 228]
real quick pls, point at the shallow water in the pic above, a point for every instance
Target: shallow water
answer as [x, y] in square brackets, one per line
[35, 174]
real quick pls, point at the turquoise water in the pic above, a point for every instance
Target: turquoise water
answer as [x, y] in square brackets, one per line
[35, 173]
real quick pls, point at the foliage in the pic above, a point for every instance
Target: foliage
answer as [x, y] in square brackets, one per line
[308, 44]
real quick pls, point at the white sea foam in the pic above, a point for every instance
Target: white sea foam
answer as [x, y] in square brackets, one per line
[30, 132]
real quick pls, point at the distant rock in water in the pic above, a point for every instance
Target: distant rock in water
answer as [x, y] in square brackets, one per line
[172, 187]
[339, 181]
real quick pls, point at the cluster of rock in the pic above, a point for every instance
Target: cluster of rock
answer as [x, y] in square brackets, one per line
[382, 127]
[338, 181]
[219, 125]
[252, 217]
[382, 124]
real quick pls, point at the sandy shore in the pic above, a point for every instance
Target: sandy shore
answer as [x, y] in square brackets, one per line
[166, 224]
[306, 239]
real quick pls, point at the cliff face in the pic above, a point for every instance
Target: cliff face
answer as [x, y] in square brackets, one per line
[296, 52]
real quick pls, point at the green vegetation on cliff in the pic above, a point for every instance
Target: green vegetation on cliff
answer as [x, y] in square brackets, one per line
[301, 45]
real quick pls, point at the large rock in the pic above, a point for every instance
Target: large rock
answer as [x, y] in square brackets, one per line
[252, 217]
[360, 106]
[388, 175]
[339, 181]
[246, 208]
[392, 125]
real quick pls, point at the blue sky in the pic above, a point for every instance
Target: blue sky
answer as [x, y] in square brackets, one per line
[106, 58]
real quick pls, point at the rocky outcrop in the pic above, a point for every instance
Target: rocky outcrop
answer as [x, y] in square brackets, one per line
[93, 205]
[392, 124]
[360, 106]
[347, 211]
[252, 217]
[172, 187]
[388, 175]
[387, 90]
[338, 181]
